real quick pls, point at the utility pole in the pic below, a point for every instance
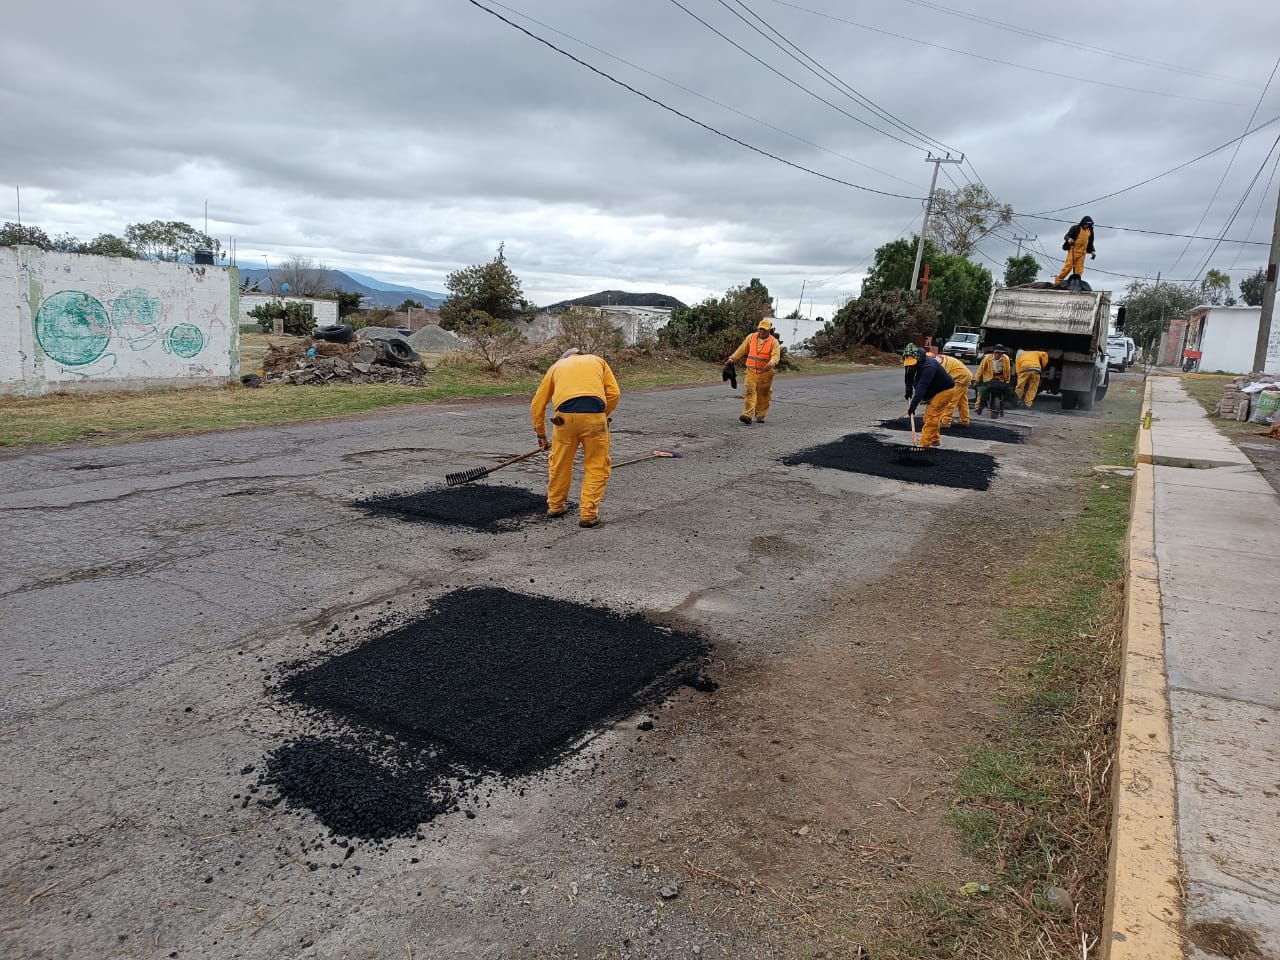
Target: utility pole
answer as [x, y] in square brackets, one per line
[1268, 296]
[800, 302]
[1021, 241]
[928, 208]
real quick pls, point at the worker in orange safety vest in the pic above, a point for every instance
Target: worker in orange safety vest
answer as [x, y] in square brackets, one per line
[763, 351]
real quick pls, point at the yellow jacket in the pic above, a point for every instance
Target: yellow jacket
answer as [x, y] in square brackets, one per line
[959, 372]
[580, 375]
[775, 350]
[987, 369]
[1035, 360]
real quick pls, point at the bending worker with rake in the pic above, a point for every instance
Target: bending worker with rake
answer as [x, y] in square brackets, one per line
[583, 391]
[928, 381]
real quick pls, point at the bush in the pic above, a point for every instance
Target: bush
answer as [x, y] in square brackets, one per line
[883, 320]
[299, 318]
[590, 331]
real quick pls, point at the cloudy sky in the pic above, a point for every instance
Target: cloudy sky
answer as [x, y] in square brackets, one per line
[408, 139]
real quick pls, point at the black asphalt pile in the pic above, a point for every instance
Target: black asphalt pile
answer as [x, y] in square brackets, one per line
[480, 506]
[356, 795]
[502, 681]
[868, 454]
[976, 430]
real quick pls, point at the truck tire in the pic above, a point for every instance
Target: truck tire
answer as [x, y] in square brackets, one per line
[1084, 399]
[1069, 399]
[1101, 391]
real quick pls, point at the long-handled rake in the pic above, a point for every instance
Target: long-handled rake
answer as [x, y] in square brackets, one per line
[650, 456]
[475, 473]
[914, 455]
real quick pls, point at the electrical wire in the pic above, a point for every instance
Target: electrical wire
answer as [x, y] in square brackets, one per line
[1007, 63]
[684, 116]
[1156, 233]
[1262, 199]
[1238, 207]
[695, 93]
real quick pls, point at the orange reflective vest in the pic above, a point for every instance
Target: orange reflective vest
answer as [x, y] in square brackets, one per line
[759, 353]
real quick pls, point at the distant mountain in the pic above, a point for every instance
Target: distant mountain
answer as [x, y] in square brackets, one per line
[620, 298]
[389, 295]
[377, 284]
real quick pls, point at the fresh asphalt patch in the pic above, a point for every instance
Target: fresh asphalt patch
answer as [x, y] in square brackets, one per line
[976, 430]
[487, 683]
[867, 454]
[492, 508]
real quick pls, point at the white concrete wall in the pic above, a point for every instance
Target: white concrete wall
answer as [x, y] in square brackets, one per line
[324, 311]
[77, 323]
[1229, 339]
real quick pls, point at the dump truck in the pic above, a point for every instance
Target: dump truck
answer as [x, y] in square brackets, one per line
[1069, 325]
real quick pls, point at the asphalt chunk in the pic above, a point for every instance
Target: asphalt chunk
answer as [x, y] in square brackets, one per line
[479, 506]
[502, 681]
[976, 430]
[867, 454]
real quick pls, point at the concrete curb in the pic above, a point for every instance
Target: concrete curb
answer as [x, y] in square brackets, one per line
[1144, 910]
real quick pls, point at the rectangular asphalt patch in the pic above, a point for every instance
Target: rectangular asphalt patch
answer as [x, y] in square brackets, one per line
[502, 681]
[479, 506]
[867, 454]
[976, 430]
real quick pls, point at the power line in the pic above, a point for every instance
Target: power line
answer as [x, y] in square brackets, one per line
[695, 93]
[1187, 163]
[1007, 63]
[705, 126]
[1262, 199]
[1157, 233]
[837, 82]
[794, 83]
[1050, 38]
[1238, 207]
[1234, 153]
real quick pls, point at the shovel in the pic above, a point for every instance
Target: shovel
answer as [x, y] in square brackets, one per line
[475, 473]
[650, 456]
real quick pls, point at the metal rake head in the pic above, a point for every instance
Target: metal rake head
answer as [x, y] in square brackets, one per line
[465, 476]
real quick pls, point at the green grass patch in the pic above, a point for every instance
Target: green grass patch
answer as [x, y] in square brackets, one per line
[1035, 802]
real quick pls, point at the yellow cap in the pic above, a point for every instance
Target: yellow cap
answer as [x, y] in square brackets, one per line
[764, 325]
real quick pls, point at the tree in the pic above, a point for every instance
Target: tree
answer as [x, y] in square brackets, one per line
[1150, 306]
[1020, 270]
[66, 243]
[958, 290]
[961, 218]
[168, 240]
[408, 305]
[1250, 288]
[494, 340]
[886, 320]
[109, 245]
[490, 288]
[348, 302]
[16, 234]
[893, 264]
[1216, 287]
[590, 331]
[305, 277]
[712, 330]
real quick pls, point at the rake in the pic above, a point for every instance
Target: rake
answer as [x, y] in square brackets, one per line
[915, 455]
[475, 473]
[650, 456]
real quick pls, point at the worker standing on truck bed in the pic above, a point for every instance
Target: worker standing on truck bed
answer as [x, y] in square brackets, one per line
[958, 415]
[995, 375]
[1031, 364]
[1077, 242]
[926, 380]
[763, 351]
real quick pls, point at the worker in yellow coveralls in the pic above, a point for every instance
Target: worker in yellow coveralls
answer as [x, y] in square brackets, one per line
[583, 392]
[1030, 365]
[995, 375]
[1077, 242]
[959, 413]
[927, 381]
[763, 351]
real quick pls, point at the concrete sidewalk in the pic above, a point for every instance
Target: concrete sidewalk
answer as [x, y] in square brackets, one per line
[1196, 844]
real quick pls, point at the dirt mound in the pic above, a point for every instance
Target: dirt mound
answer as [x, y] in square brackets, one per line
[480, 506]
[865, 453]
[436, 339]
[321, 361]
[976, 430]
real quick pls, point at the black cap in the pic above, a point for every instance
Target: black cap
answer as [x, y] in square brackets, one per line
[999, 348]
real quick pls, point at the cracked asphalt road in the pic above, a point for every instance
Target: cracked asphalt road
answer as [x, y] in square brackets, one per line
[149, 592]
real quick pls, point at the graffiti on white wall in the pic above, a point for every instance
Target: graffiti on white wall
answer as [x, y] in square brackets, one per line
[68, 320]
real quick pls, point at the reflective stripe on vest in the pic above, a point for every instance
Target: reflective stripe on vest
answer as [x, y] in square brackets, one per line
[758, 354]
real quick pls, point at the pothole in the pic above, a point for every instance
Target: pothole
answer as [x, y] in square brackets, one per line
[479, 506]
[867, 454]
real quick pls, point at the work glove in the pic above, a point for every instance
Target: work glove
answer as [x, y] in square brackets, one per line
[543, 443]
[1066, 245]
[907, 395]
[1093, 256]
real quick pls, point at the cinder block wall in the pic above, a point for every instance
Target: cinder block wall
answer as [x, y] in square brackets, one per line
[71, 322]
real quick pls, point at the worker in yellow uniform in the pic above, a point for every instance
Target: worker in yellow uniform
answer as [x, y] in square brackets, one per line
[995, 375]
[1077, 242]
[1030, 365]
[583, 392]
[959, 413]
[763, 351]
[926, 380]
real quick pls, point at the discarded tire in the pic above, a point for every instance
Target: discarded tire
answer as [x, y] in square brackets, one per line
[251, 380]
[335, 333]
[398, 351]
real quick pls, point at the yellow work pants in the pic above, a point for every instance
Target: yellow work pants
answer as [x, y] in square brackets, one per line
[591, 432]
[757, 391]
[939, 406]
[1074, 264]
[1028, 386]
[960, 409]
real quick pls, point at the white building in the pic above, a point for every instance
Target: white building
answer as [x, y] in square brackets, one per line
[325, 312]
[1226, 338]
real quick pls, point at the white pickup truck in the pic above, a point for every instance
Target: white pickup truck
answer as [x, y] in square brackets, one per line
[1070, 326]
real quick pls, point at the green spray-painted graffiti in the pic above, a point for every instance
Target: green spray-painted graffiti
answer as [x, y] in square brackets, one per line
[137, 307]
[186, 340]
[73, 328]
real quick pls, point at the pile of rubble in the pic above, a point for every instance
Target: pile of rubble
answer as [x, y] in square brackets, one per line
[1252, 394]
[319, 362]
